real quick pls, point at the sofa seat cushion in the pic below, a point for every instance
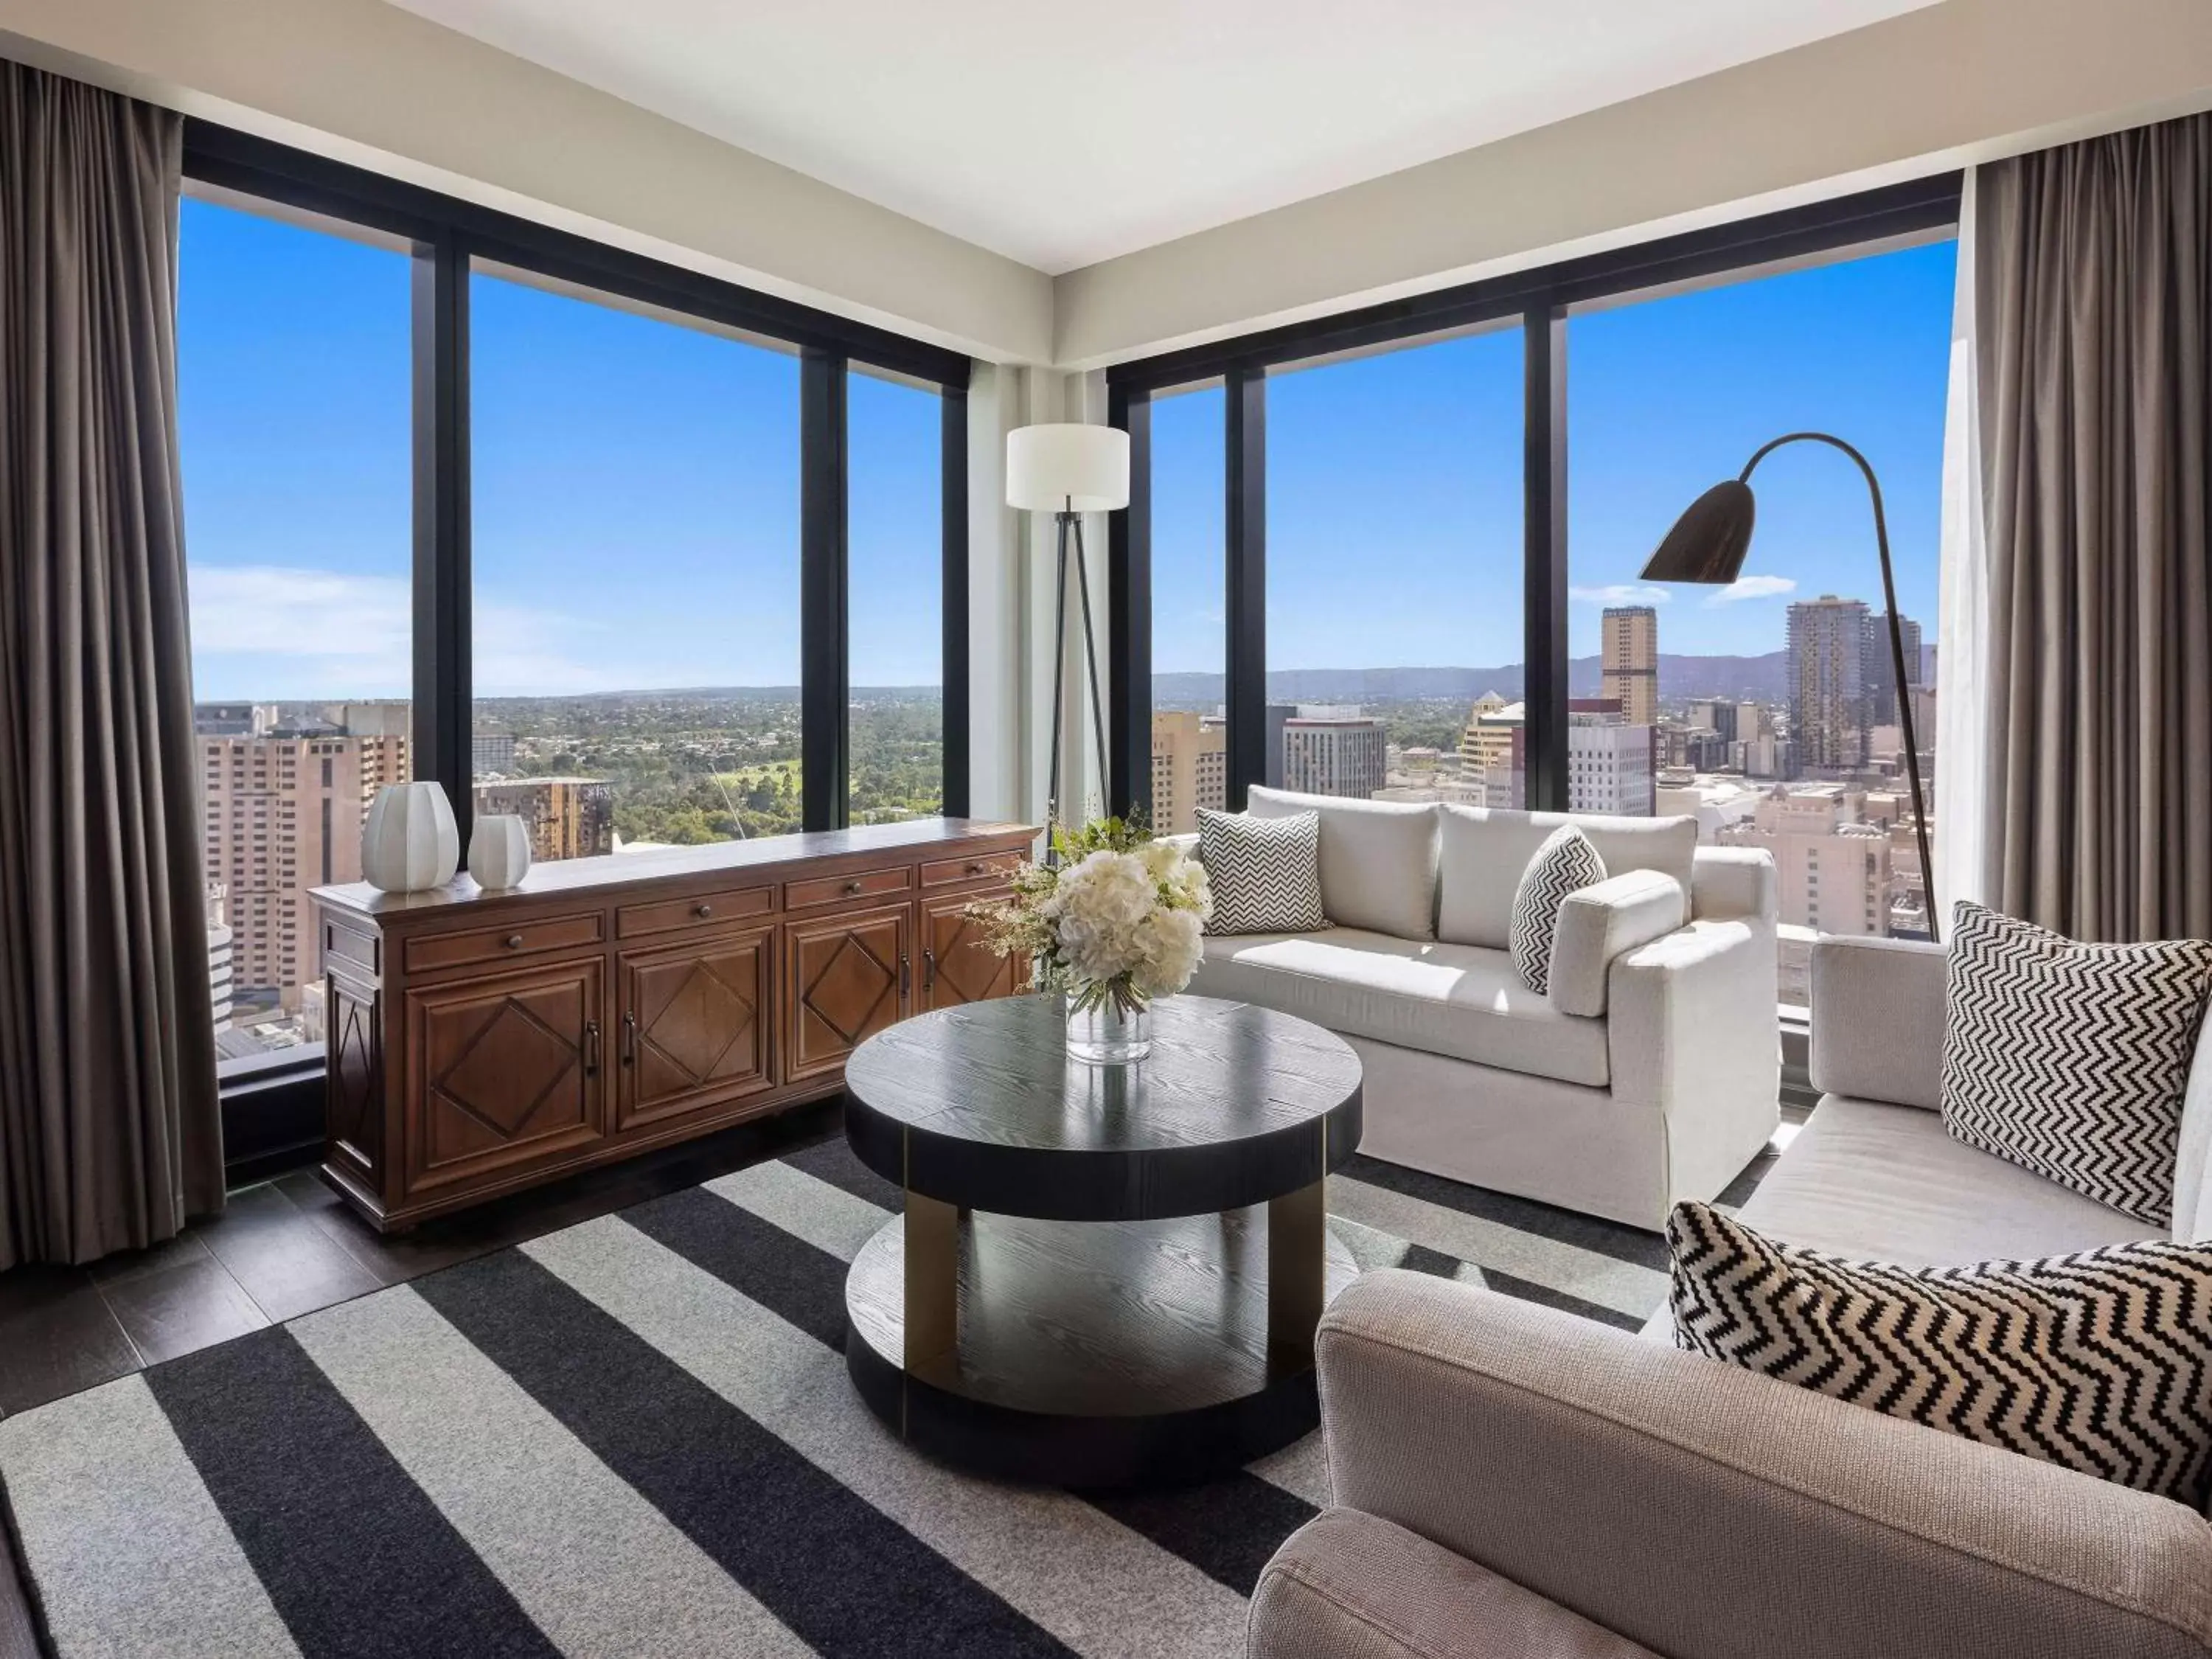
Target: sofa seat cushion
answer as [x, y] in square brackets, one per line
[1458, 1000]
[1876, 1182]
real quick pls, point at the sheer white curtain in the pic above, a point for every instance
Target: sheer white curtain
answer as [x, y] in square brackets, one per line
[1964, 851]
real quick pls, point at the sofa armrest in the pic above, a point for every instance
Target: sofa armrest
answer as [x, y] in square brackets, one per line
[1878, 1020]
[1601, 921]
[1729, 882]
[1703, 1511]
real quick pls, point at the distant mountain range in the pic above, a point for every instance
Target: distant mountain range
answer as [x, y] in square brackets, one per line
[1760, 679]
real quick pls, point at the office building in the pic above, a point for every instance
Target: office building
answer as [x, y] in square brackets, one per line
[1628, 661]
[567, 817]
[491, 754]
[1190, 769]
[1333, 752]
[1827, 664]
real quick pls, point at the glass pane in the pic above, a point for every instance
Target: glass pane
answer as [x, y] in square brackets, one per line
[1189, 637]
[894, 530]
[1768, 708]
[293, 398]
[635, 549]
[1395, 574]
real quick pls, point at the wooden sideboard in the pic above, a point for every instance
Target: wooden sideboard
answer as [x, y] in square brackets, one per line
[479, 1042]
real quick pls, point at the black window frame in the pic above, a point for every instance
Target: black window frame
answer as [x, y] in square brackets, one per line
[1540, 301]
[450, 238]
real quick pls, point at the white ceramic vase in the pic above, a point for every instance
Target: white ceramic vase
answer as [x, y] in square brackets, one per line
[409, 842]
[499, 850]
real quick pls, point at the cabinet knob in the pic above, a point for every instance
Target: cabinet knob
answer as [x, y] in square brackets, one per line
[702, 911]
[853, 886]
[513, 941]
[974, 867]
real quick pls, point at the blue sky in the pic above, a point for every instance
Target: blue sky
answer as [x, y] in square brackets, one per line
[1393, 507]
[635, 481]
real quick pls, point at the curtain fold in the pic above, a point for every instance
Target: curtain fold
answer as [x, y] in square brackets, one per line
[110, 1126]
[2094, 335]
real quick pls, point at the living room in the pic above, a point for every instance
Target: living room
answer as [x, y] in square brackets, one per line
[1159, 831]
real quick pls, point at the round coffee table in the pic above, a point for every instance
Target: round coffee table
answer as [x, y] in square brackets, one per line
[1083, 1290]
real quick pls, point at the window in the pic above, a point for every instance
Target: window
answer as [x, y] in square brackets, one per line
[294, 401]
[1768, 708]
[634, 505]
[895, 598]
[1394, 573]
[1190, 769]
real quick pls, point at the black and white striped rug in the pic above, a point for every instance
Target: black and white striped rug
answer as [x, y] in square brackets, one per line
[636, 1438]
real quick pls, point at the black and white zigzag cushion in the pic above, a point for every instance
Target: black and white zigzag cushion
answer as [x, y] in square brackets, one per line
[2101, 1362]
[1264, 874]
[2071, 1060]
[1564, 863]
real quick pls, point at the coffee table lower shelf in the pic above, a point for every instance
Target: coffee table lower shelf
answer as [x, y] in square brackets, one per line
[1089, 1354]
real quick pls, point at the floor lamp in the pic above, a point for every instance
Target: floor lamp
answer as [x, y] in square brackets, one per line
[1708, 544]
[1069, 469]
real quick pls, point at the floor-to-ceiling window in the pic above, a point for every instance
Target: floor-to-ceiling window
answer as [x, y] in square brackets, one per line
[1768, 708]
[1394, 573]
[635, 552]
[1189, 757]
[293, 389]
[894, 514]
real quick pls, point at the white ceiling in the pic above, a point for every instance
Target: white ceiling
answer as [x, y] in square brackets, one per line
[1061, 134]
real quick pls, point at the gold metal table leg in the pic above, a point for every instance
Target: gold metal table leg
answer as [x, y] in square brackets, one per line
[1297, 1234]
[932, 1281]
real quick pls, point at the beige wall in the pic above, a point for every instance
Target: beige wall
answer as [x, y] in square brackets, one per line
[1964, 81]
[371, 84]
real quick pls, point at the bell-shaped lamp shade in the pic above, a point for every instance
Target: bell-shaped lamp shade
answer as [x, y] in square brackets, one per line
[1067, 468]
[1709, 541]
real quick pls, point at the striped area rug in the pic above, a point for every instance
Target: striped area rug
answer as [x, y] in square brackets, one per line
[636, 1438]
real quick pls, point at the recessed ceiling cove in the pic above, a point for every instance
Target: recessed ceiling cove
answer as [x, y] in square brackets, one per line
[1062, 134]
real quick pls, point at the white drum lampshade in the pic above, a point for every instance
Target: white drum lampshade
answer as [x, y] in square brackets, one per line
[409, 843]
[1067, 468]
[499, 850]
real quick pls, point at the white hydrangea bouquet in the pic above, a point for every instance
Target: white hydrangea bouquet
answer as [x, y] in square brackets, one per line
[1114, 922]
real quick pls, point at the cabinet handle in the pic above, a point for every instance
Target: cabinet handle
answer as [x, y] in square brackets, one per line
[513, 941]
[906, 973]
[629, 1037]
[928, 969]
[591, 1048]
[702, 911]
[853, 886]
[974, 867]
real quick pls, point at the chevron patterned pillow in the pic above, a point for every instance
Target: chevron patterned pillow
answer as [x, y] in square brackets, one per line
[2071, 1060]
[1264, 874]
[1564, 863]
[2101, 1362]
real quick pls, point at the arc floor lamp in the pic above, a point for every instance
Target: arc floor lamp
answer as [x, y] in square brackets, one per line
[1708, 544]
[1069, 469]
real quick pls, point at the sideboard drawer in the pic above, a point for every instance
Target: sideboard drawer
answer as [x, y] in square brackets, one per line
[837, 890]
[943, 872]
[431, 950]
[700, 910]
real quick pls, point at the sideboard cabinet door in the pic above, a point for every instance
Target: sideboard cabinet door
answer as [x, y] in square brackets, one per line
[695, 1027]
[957, 966]
[508, 1069]
[851, 975]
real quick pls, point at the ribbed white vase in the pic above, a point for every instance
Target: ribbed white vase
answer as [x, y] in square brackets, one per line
[409, 842]
[499, 850]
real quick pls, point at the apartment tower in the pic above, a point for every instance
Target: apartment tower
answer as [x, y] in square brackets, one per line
[1828, 710]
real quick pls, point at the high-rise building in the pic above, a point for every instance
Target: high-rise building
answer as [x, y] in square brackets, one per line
[1336, 753]
[1828, 713]
[567, 817]
[1880, 672]
[1835, 869]
[1611, 762]
[1717, 715]
[491, 754]
[1628, 661]
[1190, 770]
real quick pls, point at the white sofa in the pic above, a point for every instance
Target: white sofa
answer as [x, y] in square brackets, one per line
[1648, 1074]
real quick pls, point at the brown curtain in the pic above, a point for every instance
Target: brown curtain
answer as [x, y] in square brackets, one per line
[2094, 297]
[109, 1135]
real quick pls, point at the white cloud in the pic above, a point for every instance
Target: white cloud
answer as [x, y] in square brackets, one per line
[1619, 593]
[1751, 588]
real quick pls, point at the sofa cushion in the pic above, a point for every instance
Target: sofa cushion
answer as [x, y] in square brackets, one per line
[1883, 1182]
[1458, 1000]
[1566, 863]
[1264, 874]
[1482, 851]
[2098, 1361]
[2070, 1058]
[1378, 860]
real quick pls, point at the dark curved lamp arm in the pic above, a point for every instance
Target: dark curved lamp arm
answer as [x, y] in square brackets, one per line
[1896, 651]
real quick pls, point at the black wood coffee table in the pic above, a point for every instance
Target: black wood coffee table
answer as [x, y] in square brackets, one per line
[1084, 1290]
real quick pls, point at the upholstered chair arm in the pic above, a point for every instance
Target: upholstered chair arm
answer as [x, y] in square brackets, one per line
[1601, 921]
[1709, 1513]
[1735, 881]
[1878, 1020]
